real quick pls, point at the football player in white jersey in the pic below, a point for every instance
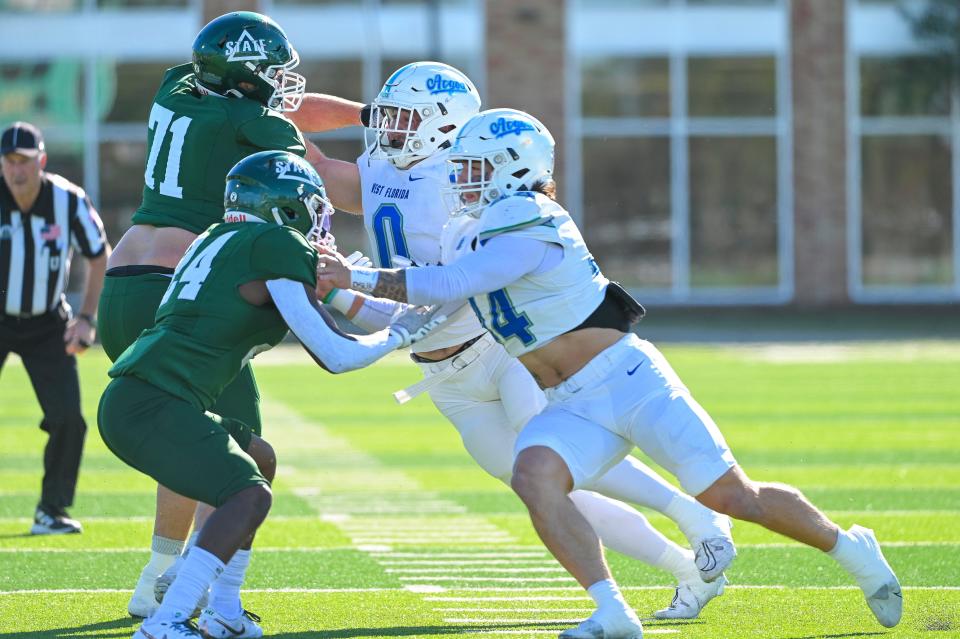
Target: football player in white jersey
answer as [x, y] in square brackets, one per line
[487, 394]
[519, 258]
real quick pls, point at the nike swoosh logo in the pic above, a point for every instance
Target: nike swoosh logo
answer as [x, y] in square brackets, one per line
[147, 634]
[413, 179]
[633, 370]
[232, 630]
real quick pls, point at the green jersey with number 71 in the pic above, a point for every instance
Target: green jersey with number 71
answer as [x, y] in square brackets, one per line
[195, 137]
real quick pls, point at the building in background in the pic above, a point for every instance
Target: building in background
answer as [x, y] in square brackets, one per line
[717, 151]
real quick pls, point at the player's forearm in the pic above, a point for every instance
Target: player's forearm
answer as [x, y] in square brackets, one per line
[97, 266]
[320, 112]
[369, 313]
[334, 350]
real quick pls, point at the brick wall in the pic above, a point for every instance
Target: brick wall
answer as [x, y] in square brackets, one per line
[819, 152]
[526, 50]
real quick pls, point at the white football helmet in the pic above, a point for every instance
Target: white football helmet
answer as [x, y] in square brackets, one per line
[419, 111]
[498, 152]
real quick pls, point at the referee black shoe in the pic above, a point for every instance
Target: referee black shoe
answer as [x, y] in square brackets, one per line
[47, 521]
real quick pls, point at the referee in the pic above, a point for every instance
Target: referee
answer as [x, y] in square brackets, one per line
[43, 217]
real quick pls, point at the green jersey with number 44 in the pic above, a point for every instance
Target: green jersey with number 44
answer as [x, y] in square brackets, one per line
[193, 140]
[205, 331]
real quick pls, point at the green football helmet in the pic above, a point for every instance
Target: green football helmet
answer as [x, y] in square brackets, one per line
[247, 55]
[278, 187]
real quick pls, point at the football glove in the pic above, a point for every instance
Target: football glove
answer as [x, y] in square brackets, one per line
[413, 323]
[358, 259]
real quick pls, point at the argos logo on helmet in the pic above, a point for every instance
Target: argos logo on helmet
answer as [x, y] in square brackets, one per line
[246, 47]
[503, 127]
[438, 84]
[292, 171]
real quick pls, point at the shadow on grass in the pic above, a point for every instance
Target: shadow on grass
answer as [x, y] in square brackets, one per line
[416, 631]
[15, 535]
[122, 627]
[840, 636]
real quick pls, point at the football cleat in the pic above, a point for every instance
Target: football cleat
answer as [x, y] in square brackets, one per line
[47, 521]
[712, 544]
[167, 630]
[163, 582]
[625, 626]
[142, 604]
[877, 580]
[215, 626]
[690, 598]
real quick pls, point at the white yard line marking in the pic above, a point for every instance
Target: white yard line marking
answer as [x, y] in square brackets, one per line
[566, 579]
[467, 562]
[519, 598]
[500, 611]
[377, 551]
[472, 570]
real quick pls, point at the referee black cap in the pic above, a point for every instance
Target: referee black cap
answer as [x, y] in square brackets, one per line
[22, 138]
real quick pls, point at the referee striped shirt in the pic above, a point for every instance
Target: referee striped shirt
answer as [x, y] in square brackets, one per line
[36, 245]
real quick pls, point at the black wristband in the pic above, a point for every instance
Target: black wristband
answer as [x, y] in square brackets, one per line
[89, 319]
[365, 114]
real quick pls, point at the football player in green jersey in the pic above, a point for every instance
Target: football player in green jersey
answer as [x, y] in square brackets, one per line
[235, 292]
[233, 100]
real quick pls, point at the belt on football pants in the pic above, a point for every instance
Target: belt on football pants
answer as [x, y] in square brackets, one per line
[440, 371]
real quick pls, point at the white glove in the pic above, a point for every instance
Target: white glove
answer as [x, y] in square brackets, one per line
[400, 261]
[415, 322]
[358, 259]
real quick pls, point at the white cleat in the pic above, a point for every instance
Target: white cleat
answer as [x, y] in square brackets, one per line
[142, 604]
[877, 580]
[215, 626]
[690, 598]
[712, 544]
[162, 584]
[626, 627]
[713, 555]
[167, 630]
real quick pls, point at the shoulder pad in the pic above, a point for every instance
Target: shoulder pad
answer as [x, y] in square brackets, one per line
[177, 73]
[517, 211]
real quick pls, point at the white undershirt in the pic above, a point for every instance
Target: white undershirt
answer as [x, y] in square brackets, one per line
[501, 261]
[338, 352]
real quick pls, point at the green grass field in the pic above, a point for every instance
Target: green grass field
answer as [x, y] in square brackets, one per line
[383, 527]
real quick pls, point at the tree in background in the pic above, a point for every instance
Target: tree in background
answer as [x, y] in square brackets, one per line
[937, 24]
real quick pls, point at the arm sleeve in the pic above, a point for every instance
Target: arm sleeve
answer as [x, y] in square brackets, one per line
[336, 351]
[501, 261]
[86, 229]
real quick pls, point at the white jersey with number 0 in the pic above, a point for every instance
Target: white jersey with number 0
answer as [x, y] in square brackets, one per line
[538, 307]
[403, 215]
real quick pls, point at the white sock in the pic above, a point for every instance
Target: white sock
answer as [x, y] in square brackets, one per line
[633, 481]
[191, 542]
[163, 552]
[680, 563]
[620, 527]
[607, 596]
[225, 593]
[847, 553]
[194, 577]
[691, 516]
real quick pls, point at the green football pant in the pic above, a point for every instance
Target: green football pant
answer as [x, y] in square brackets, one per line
[128, 306]
[196, 454]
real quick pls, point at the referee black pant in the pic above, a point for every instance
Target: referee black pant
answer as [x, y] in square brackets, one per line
[39, 343]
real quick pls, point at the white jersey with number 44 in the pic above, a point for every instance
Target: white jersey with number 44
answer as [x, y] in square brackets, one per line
[403, 215]
[538, 307]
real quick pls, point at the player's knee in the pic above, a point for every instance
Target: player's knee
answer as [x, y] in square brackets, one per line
[265, 457]
[540, 472]
[735, 495]
[260, 499]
